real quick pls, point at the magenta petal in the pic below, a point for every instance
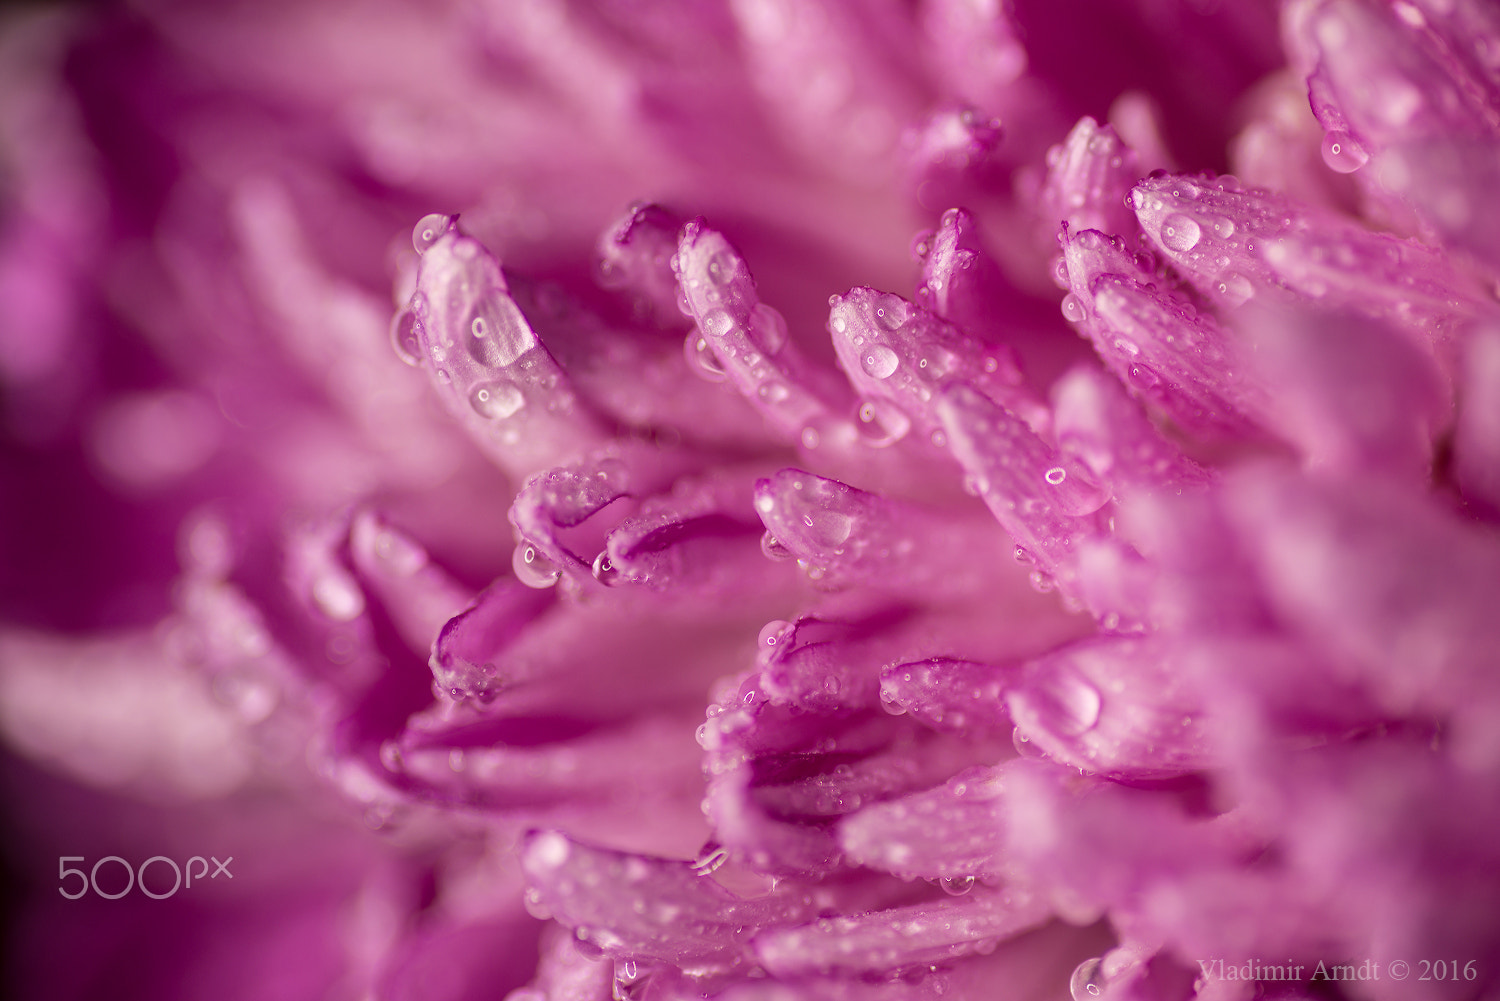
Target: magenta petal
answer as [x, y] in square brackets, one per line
[1157, 342]
[741, 338]
[1098, 423]
[897, 354]
[852, 536]
[487, 363]
[1476, 446]
[1049, 504]
[955, 830]
[1118, 706]
[419, 596]
[635, 257]
[903, 936]
[959, 696]
[687, 919]
[1088, 176]
[1234, 243]
[1357, 397]
[466, 651]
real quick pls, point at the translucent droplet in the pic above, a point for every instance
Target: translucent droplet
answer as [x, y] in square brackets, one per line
[1180, 232]
[532, 568]
[828, 528]
[882, 423]
[774, 634]
[406, 334]
[1236, 289]
[1223, 228]
[768, 329]
[921, 244]
[838, 323]
[1343, 153]
[956, 886]
[889, 703]
[891, 311]
[710, 858]
[1060, 273]
[1072, 308]
[683, 306]
[1070, 704]
[1144, 377]
[338, 596]
[701, 357]
[810, 437]
[879, 361]
[720, 267]
[1024, 746]
[604, 571]
[496, 400]
[1074, 489]
[429, 230]
[1088, 980]
[773, 549]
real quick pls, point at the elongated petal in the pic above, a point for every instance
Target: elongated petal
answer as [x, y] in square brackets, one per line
[905, 936]
[1088, 176]
[1049, 504]
[689, 920]
[953, 831]
[946, 694]
[635, 257]
[1117, 706]
[1162, 347]
[466, 651]
[487, 363]
[740, 337]
[1233, 243]
[852, 536]
[901, 354]
[418, 594]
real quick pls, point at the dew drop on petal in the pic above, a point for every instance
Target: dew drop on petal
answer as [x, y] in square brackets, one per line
[1072, 308]
[701, 357]
[532, 568]
[772, 548]
[1180, 232]
[879, 361]
[956, 886]
[1088, 980]
[496, 400]
[1024, 746]
[429, 230]
[1070, 704]
[882, 423]
[405, 337]
[773, 634]
[604, 571]
[1342, 153]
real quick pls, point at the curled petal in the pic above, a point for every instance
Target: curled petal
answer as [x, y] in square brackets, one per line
[635, 257]
[1476, 446]
[469, 646]
[1162, 347]
[1116, 705]
[418, 594]
[1049, 504]
[903, 936]
[899, 353]
[687, 919]
[1234, 243]
[1088, 176]
[960, 696]
[1098, 423]
[741, 338]
[487, 362]
[952, 831]
[852, 536]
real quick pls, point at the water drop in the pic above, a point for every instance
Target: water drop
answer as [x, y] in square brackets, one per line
[1060, 273]
[1088, 980]
[828, 528]
[891, 311]
[429, 230]
[838, 323]
[879, 361]
[1180, 232]
[1042, 583]
[1025, 746]
[1144, 377]
[1068, 702]
[810, 437]
[772, 548]
[496, 400]
[701, 357]
[1074, 489]
[921, 245]
[956, 886]
[888, 702]
[1223, 228]
[532, 568]
[604, 570]
[1342, 153]
[1072, 308]
[768, 329]
[1236, 289]
[406, 333]
[882, 423]
[774, 634]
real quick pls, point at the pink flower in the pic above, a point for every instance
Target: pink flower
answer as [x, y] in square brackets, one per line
[718, 570]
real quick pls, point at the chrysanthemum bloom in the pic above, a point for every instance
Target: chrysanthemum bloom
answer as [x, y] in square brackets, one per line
[847, 500]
